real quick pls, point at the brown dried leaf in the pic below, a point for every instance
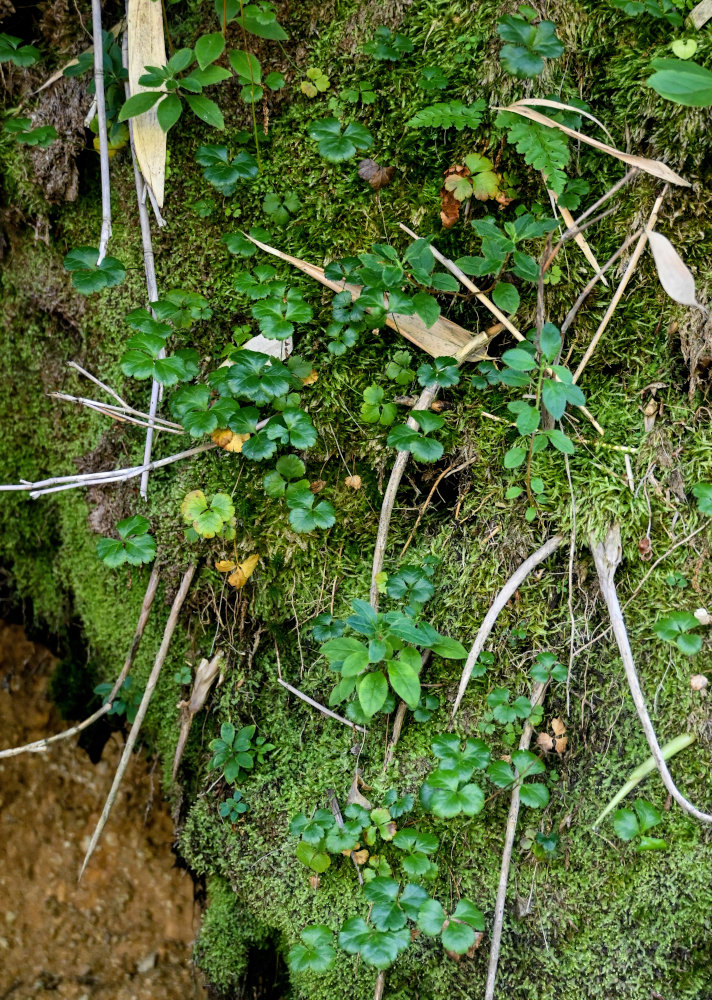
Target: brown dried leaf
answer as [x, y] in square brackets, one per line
[311, 378]
[645, 549]
[703, 616]
[204, 679]
[229, 440]
[545, 742]
[675, 276]
[356, 796]
[317, 486]
[377, 176]
[360, 857]
[354, 482]
[449, 204]
[314, 881]
[560, 744]
[243, 571]
[557, 726]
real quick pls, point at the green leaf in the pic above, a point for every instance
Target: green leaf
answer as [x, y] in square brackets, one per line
[405, 682]
[528, 417]
[554, 396]
[501, 774]
[335, 146]
[648, 815]
[208, 48]
[139, 103]
[651, 844]
[206, 110]
[451, 114]
[534, 795]
[514, 458]
[457, 937]
[372, 690]
[703, 492]
[549, 341]
[169, 111]
[316, 954]
[560, 441]
[318, 861]
[690, 645]
[111, 552]
[426, 307]
[431, 917]
[377, 948]
[519, 359]
[506, 297]
[625, 823]
[682, 81]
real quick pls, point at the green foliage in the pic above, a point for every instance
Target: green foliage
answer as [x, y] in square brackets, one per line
[543, 148]
[21, 129]
[547, 667]
[703, 492]
[235, 751]
[398, 368]
[458, 931]
[528, 45]
[678, 627]
[87, 275]
[281, 209]
[631, 825]
[443, 372]
[421, 447]
[387, 46]
[317, 82]
[233, 807]
[449, 114]
[504, 711]
[374, 410]
[682, 81]
[432, 78]
[135, 546]
[249, 75]
[208, 518]
[315, 953]
[671, 11]
[126, 702]
[13, 51]
[336, 145]
[362, 91]
[224, 173]
[258, 19]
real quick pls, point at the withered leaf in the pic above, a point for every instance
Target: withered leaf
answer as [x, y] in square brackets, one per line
[449, 203]
[229, 440]
[311, 378]
[377, 176]
[314, 881]
[545, 741]
[361, 857]
[675, 276]
[243, 571]
[698, 682]
[557, 727]
[317, 486]
[354, 482]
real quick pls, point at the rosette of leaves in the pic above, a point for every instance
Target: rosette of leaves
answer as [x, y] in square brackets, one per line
[127, 699]
[175, 88]
[442, 372]
[317, 82]
[233, 807]
[224, 173]
[448, 791]
[411, 584]
[399, 370]
[479, 180]
[633, 825]
[12, 50]
[391, 640]
[428, 704]
[387, 46]
[182, 308]
[315, 952]
[249, 75]
[281, 209]
[235, 751]
[256, 18]
[88, 275]
[527, 44]
[142, 359]
[278, 313]
[338, 144]
[362, 91]
[679, 627]
[21, 128]
[305, 514]
[254, 376]
[416, 847]
[134, 546]
[501, 774]
[374, 410]
[505, 711]
[421, 447]
[207, 518]
[192, 406]
[458, 931]
[547, 667]
[312, 831]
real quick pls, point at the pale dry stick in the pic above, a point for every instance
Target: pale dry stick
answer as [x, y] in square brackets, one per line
[570, 595]
[464, 280]
[574, 232]
[114, 413]
[96, 381]
[380, 985]
[126, 411]
[504, 595]
[149, 265]
[141, 713]
[607, 556]
[103, 138]
[571, 314]
[627, 275]
[320, 708]
[41, 745]
[524, 742]
[389, 497]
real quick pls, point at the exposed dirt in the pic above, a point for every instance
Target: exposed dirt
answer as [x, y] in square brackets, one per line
[126, 932]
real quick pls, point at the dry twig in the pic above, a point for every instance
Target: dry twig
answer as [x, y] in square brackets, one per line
[103, 138]
[320, 708]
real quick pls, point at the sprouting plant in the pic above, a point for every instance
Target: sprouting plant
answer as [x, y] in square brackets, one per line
[679, 627]
[544, 846]
[417, 847]
[223, 172]
[546, 667]
[12, 50]
[505, 710]
[281, 209]
[543, 148]
[233, 807]
[249, 75]
[421, 447]
[21, 128]
[126, 702]
[317, 82]
[315, 953]
[388, 657]
[428, 704]
[145, 357]
[533, 794]
[479, 180]
[527, 44]
[432, 78]
[387, 46]
[183, 675]
[362, 91]
[449, 114]
[672, 11]
[398, 368]
[337, 145]
[676, 579]
[458, 930]
[448, 791]
[208, 518]
[630, 825]
[175, 88]
[235, 751]
[374, 410]
[134, 545]
[413, 584]
[305, 514]
[87, 275]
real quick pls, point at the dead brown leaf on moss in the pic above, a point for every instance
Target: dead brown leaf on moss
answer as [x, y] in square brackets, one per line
[377, 176]
[354, 482]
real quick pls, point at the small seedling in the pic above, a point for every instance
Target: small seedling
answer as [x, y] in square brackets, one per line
[398, 369]
[676, 579]
[235, 751]
[223, 172]
[127, 699]
[363, 92]
[374, 410]
[432, 78]
[679, 627]
[208, 518]
[317, 82]
[135, 546]
[233, 807]
[183, 675]
[281, 209]
[535, 795]
[336, 145]
[421, 447]
[386, 46]
[548, 667]
[528, 45]
[631, 825]
[87, 275]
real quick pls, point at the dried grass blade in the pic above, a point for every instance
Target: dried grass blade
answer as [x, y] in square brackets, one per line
[147, 47]
[560, 106]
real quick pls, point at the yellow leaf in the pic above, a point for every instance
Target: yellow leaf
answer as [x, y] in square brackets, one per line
[229, 440]
[147, 48]
[311, 378]
[243, 571]
[225, 566]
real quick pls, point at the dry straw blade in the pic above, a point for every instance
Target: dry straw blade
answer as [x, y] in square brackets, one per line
[654, 167]
[675, 276]
[443, 338]
[147, 48]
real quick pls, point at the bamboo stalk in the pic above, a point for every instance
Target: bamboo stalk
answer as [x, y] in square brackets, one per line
[105, 235]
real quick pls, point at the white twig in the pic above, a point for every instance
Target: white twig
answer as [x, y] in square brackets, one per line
[120, 413]
[515, 581]
[103, 138]
[607, 556]
[537, 694]
[320, 708]
[141, 713]
[389, 497]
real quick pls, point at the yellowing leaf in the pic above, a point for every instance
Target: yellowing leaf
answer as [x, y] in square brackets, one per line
[225, 565]
[243, 571]
[147, 48]
[228, 440]
[311, 378]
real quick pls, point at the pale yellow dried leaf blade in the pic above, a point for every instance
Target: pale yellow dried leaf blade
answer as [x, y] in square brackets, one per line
[581, 242]
[560, 106]
[675, 276]
[653, 167]
[147, 47]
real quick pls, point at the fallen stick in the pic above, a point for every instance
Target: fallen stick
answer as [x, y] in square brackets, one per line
[607, 556]
[389, 497]
[320, 708]
[141, 713]
[524, 742]
[571, 314]
[515, 581]
[105, 235]
[115, 413]
[39, 746]
[618, 294]
[380, 985]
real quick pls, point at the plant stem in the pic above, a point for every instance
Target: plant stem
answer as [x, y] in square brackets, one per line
[103, 138]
